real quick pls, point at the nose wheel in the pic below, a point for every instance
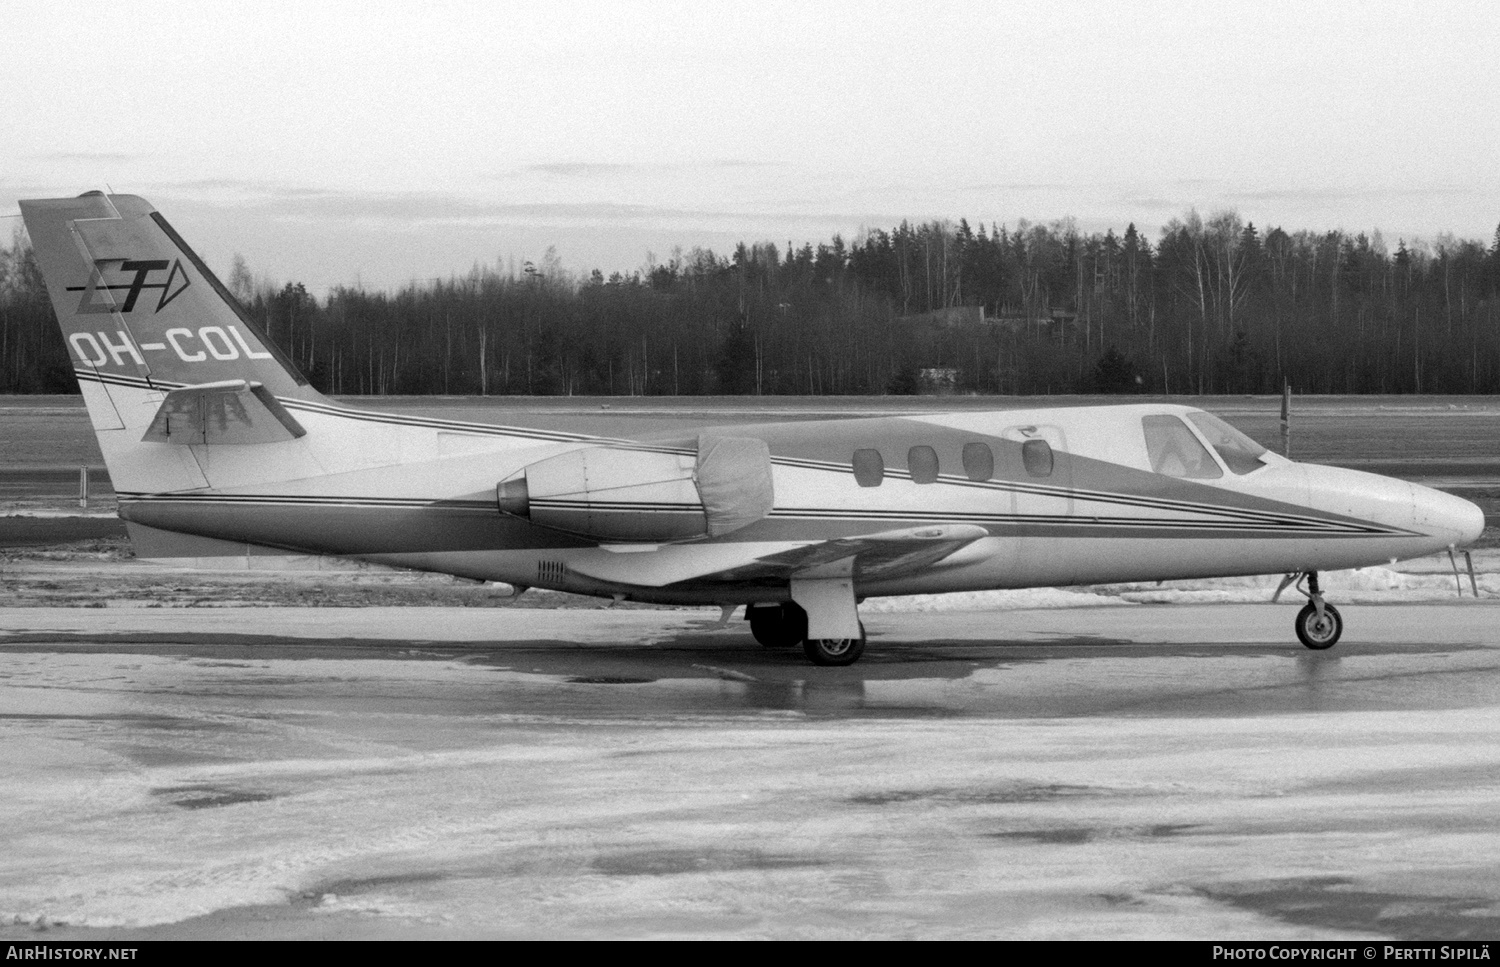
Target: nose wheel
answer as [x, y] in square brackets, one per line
[1319, 623]
[1319, 631]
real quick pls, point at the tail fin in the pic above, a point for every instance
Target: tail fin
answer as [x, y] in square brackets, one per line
[137, 306]
[184, 390]
[143, 316]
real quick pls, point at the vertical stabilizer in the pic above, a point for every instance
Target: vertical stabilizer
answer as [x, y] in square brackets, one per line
[136, 305]
[186, 393]
[142, 315]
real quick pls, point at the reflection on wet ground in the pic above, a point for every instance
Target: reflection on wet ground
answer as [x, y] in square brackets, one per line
[1119, 772]
[1338, 903]
[207, 796]
[695, 673]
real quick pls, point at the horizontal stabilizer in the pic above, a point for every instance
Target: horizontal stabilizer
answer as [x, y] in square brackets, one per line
[231, 411]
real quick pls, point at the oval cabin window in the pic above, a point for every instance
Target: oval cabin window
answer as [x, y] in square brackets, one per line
[869, 468]
[979, 461]
[923, 464]
[1037, 456]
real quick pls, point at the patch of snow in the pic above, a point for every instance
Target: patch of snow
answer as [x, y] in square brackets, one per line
[1363, 585]
[1019, 600]
[1415, 581]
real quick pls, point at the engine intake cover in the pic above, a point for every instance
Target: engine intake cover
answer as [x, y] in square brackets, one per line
[617, 494]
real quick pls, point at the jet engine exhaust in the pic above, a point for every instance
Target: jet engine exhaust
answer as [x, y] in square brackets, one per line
[514, 497]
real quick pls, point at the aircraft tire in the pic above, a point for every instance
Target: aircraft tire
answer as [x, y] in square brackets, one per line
[782, 627]
[834, 651]
[1319, 635]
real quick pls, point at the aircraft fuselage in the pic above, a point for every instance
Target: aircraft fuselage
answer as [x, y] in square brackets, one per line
[1098, 513]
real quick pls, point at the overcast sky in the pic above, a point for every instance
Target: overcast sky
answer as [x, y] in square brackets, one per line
[378, 142]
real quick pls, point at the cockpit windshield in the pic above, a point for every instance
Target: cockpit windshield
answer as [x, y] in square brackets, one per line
[1240, 453]
[1174, 451]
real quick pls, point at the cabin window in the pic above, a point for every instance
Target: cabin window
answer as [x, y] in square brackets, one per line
[1239, 453]
[1037, 456]
[1175, 452]
[869, 468]
[979, 461]
[923, 464]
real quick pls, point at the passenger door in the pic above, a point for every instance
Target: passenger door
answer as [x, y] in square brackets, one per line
[1045, 466]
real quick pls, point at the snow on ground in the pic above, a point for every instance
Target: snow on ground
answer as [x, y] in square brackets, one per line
[1019, 600]
[1425, 579]
[52, 513]
[159, 788]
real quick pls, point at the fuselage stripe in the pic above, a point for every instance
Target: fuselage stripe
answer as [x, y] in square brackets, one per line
[1000, 520]
[1226, 516]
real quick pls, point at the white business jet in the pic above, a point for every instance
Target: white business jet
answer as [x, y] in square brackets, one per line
[216, 445]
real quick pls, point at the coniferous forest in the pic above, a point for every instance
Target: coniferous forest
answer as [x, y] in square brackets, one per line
[1211, 306]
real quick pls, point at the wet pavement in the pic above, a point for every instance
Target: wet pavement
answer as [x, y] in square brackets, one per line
[1171, 771]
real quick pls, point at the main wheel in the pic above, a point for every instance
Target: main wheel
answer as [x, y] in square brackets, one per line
[1319, 634]
[779, 627]
[834, 651]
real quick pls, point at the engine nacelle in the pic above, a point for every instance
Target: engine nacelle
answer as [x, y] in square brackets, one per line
[614, 494]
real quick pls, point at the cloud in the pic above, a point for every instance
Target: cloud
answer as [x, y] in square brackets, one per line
[410, 208]
[245, 187]
[1330, 195]
[87, 157]
[603, 169]
[1019, 186]
[593, 169]
[428, 207]
[1153, 204]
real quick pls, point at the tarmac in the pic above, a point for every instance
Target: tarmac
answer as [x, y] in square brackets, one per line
[1182, 771]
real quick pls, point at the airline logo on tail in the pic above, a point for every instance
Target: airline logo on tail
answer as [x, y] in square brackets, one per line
[138, 275]
[133, 277]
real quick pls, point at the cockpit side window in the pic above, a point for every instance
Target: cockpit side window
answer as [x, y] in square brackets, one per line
[1175, 452]
[1239, 453]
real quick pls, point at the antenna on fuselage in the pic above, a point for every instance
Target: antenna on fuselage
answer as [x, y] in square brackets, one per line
[1286, 420]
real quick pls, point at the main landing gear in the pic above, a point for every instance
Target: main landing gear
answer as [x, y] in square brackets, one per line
[835, 651]
[785, 626]
[1319, 624]
[777, 625]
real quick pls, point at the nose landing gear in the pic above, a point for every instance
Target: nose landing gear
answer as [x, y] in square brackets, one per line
[1319, 624]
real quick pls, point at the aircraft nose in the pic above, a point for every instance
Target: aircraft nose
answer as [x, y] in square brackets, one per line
[1442, 519]
[1446, 515]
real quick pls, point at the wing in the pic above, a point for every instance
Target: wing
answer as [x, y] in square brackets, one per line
[882, 555]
